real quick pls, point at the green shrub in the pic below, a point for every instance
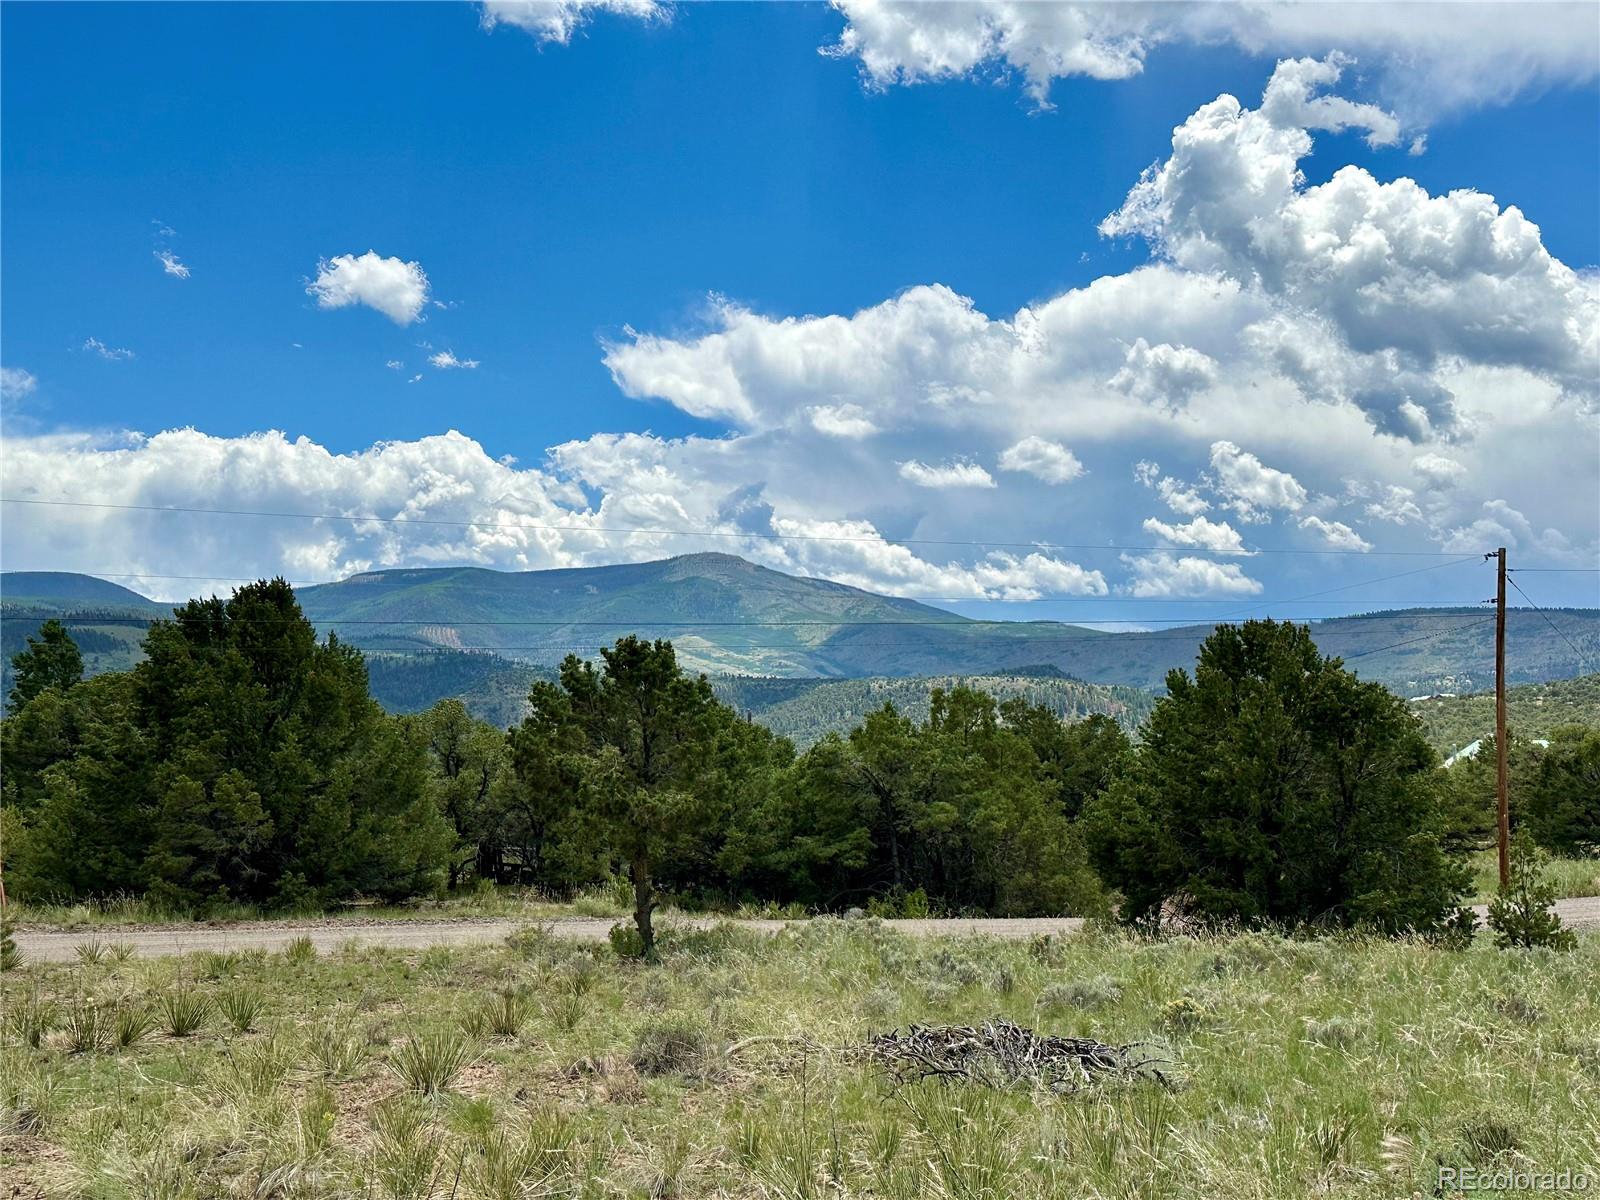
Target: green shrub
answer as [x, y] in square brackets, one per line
[1521, 915]
[10, 956]
[673, 1046]
[1093, 993]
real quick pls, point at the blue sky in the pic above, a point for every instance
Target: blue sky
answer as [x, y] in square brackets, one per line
[649, 177]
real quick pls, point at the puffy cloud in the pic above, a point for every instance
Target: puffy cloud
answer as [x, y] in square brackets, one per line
[1380, 281]
[394, 287]
[1502, 525]
[99, 349]
[1437, 471]
[946, 475]
[1200, 533]
[1180, 497]
[1429, 59]
[841, 420]
[445, 500]
[1250, 485]
[1336, 534]
[17, 384]
[446, 360]
[557, 20]
[1162, 575]
[1050, 461]
[902, 43]
[1397, 505]
[171, 264]
[1164, 374]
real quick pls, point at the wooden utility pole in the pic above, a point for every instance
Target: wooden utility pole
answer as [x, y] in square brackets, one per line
[1500, 782]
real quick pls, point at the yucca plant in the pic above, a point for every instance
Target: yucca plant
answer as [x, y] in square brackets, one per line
[339, 1053]
[430, 1064]
[91, 953]
[130, 1024]
[85, 1025]
[300, 951]
[184, 1012]
[241, 1007]
[31, 1020]
[120, 953]
[506, 1012]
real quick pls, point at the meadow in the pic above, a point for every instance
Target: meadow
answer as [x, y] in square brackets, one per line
[1341, 1066]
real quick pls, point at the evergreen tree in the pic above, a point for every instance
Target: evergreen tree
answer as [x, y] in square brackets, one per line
[1275, 786]
[1562, 806]
[50, 660]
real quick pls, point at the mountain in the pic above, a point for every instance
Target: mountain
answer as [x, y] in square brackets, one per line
[57, 586]
[806, 709]
[731, 617]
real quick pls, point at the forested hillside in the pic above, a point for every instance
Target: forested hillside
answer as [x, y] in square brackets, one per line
[1533, 711]
[726, 616]
[804, 710]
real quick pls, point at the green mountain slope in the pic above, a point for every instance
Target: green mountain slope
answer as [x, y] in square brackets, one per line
[1532, 711]
[805, 709]
[730, 617]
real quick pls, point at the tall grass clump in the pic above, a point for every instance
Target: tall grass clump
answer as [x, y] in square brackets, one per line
[241, 1007]
[184, 1012]
[430, 1063]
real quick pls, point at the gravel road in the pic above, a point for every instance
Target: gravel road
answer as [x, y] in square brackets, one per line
[45, 945]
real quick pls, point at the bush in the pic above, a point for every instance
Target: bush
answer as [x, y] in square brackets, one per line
[1521, 915]
[10, 956]
[675, 1046]
[1081, 993]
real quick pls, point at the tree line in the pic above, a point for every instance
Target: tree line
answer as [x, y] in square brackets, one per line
[244, 760]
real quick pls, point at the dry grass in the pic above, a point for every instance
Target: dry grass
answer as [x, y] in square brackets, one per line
[1345, 1067]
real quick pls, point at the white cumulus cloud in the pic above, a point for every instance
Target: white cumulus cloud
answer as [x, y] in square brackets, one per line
[557, 20]
[945, 475]
[1043, 459]
[446, 360]
[1427, 59]
[1199, 533]
[1166, 576]
[394, 287]
[1250, 485]
[1336, 534]
[841, 420]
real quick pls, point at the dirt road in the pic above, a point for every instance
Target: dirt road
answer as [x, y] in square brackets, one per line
[154, 942]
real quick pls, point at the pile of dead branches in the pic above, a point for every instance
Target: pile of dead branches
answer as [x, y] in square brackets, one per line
[1002, 1054]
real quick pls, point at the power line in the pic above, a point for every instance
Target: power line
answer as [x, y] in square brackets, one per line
[707, 533]
[1582, 657]
[1413, 641]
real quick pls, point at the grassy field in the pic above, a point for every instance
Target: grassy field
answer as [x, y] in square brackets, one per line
[544, 1068]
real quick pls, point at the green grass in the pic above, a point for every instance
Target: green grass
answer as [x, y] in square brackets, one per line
[483, 903]
[1343, 1067]
[1573, 877]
